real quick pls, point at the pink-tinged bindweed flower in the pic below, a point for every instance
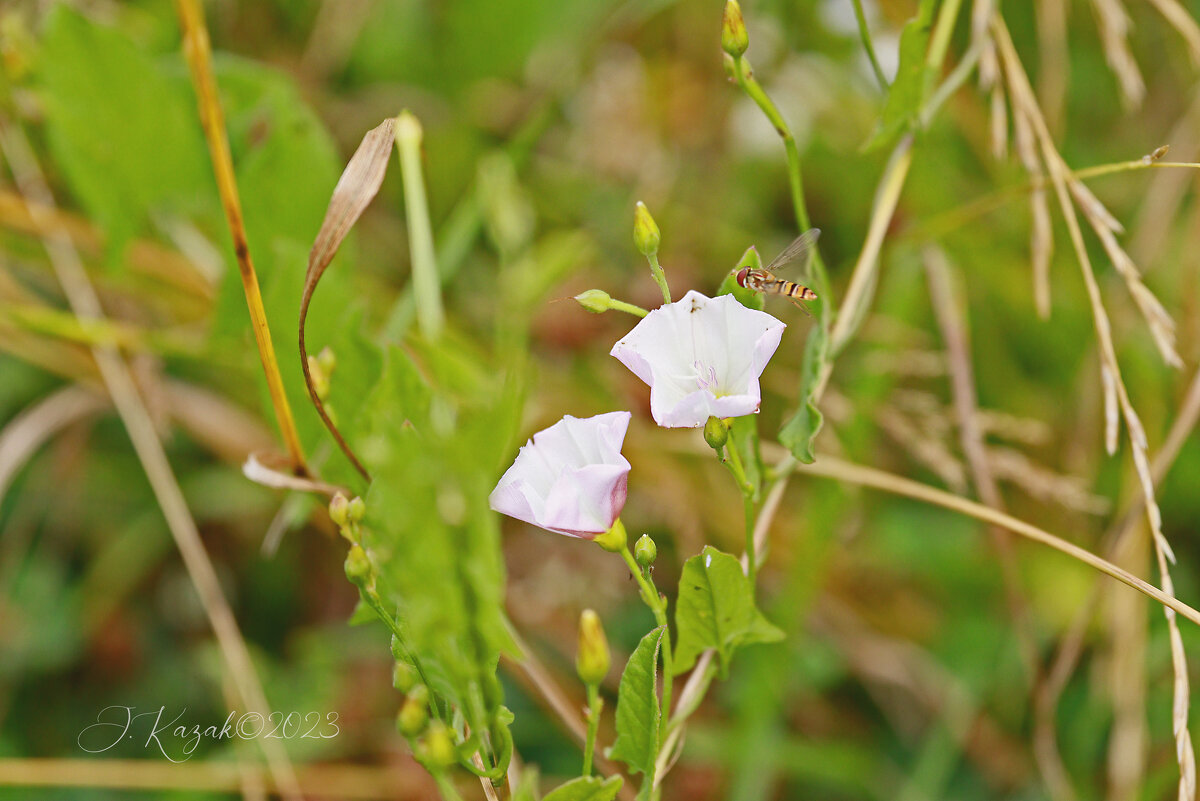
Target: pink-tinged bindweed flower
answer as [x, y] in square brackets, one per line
[701, 357]
[570, 478]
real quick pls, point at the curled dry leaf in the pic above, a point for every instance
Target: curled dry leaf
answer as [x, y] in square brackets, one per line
[354, 191]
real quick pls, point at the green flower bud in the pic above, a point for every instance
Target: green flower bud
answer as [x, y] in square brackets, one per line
[716, 433]
[414, 712]
[326, 361]
[356, 509]
[734, 40]
[404, 675]
[645, 231]
[358, 566]
[615, 539]
[645, 551]
[320, 380]
[594, 300]
[339, 510]
[592, 660]
[436, 748]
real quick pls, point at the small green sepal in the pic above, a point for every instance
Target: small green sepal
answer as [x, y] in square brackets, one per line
[615, 539]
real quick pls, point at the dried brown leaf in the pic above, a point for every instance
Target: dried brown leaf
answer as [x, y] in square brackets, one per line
[355, 190]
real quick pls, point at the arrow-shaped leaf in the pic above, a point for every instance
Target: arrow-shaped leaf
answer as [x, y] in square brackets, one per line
[716, 610]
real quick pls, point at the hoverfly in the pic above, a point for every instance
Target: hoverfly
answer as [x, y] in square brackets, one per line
[766, 282]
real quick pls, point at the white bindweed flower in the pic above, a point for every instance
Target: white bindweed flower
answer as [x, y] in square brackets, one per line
[570, 478]
[701, 357]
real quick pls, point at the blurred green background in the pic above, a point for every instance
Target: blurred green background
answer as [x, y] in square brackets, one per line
[544, 123]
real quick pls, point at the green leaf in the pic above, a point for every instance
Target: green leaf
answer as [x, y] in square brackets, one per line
[586, 788]
[744, 431]
[729, 285]
[716, 610]
[799, 432]
[122, 127]
[908, 91]
[638, 713]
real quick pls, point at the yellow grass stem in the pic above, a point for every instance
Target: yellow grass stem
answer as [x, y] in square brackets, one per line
[199, 57]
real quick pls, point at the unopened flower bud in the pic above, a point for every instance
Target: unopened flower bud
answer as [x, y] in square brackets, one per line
[326, 361]
[339, 510]
[358, 566]
[593, 659]
[645, 231]
[404, 676]
[734, 40]
[645, 551]
[594, 300]
[414, 712]
[436, 748]
[716, 433]
[320, 380]
[615, 539]
[356, 509]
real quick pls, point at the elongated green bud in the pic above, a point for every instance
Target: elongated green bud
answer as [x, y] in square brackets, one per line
[734, 39]
[594, 300]
[414, 712]
[356, 509]
[593, 660]
[615, 539]
[339, 510]
[645, 551]
[716, 433]
[645, 231]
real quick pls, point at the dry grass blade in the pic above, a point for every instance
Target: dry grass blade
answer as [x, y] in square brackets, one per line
[1047, 486]
[1064, 184]
[1117, 539]
[355, 190]
[199, 57]
[1184, 25]
[946, 308]
[1114, 34]
[26, 432]
[1041, 245]
[144, 437]
[834, 468]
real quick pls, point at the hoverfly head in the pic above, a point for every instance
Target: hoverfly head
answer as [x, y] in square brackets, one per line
[741, 277]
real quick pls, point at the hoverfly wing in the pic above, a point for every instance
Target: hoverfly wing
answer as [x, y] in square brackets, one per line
[796, 252]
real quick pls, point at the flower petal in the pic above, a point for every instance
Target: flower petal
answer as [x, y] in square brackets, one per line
[700, 356]
[569, 478]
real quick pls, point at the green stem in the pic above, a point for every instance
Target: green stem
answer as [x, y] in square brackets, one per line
[426, 287]
[939, 43]
[660, 278]
[658, 606]
[734, 463]
[865, 34]
[446, 787]
[739, 474]
[595, 705]
[629, 308]
[750, 85]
